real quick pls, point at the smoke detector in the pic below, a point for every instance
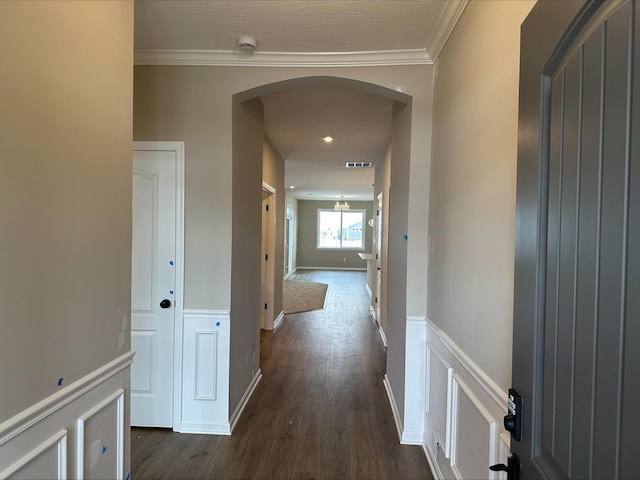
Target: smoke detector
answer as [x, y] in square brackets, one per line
[246, 44]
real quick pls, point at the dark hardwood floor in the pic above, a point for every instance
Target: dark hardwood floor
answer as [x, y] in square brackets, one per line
[320, 411]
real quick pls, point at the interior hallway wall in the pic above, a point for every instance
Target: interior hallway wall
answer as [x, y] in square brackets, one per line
[193, 104]
[473, 183]
[65, 194]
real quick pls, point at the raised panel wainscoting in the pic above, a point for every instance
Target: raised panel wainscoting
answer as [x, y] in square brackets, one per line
[463, 432]
[203, 405]
[452, 408]
[202, 402]
[81, 431]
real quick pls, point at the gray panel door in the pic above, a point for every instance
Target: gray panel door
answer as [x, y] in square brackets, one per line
[576, 350]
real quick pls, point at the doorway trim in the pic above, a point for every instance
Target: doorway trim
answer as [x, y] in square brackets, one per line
[178, 149]
[268, 276]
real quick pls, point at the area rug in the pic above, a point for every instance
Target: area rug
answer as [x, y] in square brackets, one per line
[299, 296]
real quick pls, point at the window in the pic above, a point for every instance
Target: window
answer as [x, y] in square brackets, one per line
[341, 229]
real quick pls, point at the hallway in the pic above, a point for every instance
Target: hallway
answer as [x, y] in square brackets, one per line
[320, 411]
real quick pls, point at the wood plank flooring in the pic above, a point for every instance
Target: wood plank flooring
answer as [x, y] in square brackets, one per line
[320, 411]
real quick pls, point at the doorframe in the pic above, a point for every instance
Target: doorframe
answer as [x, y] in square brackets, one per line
[269, 287]
[178, 149]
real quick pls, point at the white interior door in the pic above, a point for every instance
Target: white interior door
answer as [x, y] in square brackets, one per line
[153, 283]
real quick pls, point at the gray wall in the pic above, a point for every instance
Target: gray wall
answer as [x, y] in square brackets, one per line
[65, 193]
[398, 244]
[309, 256]
[473, 184]
[193, 104]
[246, 245]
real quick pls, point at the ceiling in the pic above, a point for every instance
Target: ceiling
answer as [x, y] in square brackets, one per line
[306, 32]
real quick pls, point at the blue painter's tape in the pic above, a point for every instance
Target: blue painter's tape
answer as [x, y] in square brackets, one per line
[406, 237]
[60, 380]
[171, 262]
[217, 324]
[171, 292]
[103, 450]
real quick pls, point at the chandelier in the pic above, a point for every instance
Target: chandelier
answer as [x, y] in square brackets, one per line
[341, 205]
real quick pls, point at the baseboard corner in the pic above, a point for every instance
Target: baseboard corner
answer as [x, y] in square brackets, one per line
[278, 320]
[394, 406]
[244, 400]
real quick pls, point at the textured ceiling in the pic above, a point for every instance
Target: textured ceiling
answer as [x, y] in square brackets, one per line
[295, 120]
[286, 25]
[359, 122]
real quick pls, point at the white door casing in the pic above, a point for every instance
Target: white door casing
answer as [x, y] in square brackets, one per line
[156, 277]
[268, 257]
[378, 239]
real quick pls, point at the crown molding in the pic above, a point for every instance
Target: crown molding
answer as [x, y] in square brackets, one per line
[282, 59]
[446, 23]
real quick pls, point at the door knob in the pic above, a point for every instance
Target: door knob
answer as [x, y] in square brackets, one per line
[512, 467]
[165, 303]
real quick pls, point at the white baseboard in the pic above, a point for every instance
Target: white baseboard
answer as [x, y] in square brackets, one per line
[433, 463]
[203, 428]
[278, 320]
[394, 406]
[382, 336]
[356, 269]
[245, 398]
[463, 412]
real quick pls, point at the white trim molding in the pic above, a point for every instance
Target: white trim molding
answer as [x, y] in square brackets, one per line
[349, 269]
[237, 413]
[88, 455]
[228, 58]
[394, 406]
[278, 320]
[446, 23]
[59, 459]
[91, 408]
[204, 387]
[463, 407]
[50, 405]
[383, 336]
[415, 380]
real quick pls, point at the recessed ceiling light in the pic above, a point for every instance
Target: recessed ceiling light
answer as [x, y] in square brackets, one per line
[327, 139]
[292, 187]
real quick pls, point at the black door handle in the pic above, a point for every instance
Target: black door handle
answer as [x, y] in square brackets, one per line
[165, 303]
[512, 467]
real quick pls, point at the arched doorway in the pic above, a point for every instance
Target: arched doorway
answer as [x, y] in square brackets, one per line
[247, 148]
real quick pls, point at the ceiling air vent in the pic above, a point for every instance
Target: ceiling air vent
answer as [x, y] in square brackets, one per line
[358, 164]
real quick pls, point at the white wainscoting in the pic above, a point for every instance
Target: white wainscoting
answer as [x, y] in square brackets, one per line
[278, 320]
[92, 412]
[438, 406]
[463, 432]
[415, 375]
[204, 392]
